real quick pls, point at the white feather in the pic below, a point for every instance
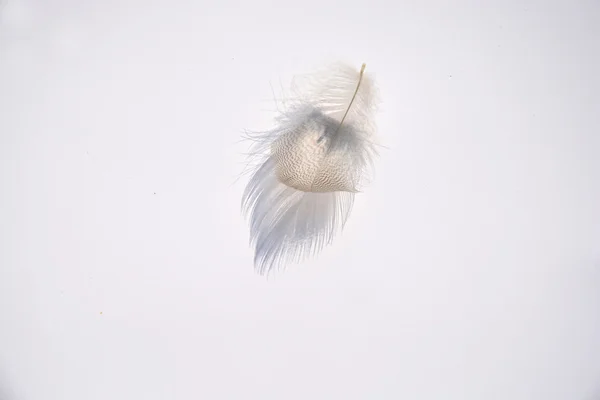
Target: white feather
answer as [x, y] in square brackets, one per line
[308, 169]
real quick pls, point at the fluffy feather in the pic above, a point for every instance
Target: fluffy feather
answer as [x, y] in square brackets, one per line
[308, 169]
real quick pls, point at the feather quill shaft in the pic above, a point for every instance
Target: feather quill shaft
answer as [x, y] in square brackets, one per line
[309, 167]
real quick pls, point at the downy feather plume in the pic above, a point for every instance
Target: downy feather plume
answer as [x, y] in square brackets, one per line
[306, 171]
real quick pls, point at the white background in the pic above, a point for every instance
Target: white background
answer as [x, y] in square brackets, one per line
[470, 269]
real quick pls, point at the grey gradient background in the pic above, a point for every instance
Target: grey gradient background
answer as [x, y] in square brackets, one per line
[470, 269]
